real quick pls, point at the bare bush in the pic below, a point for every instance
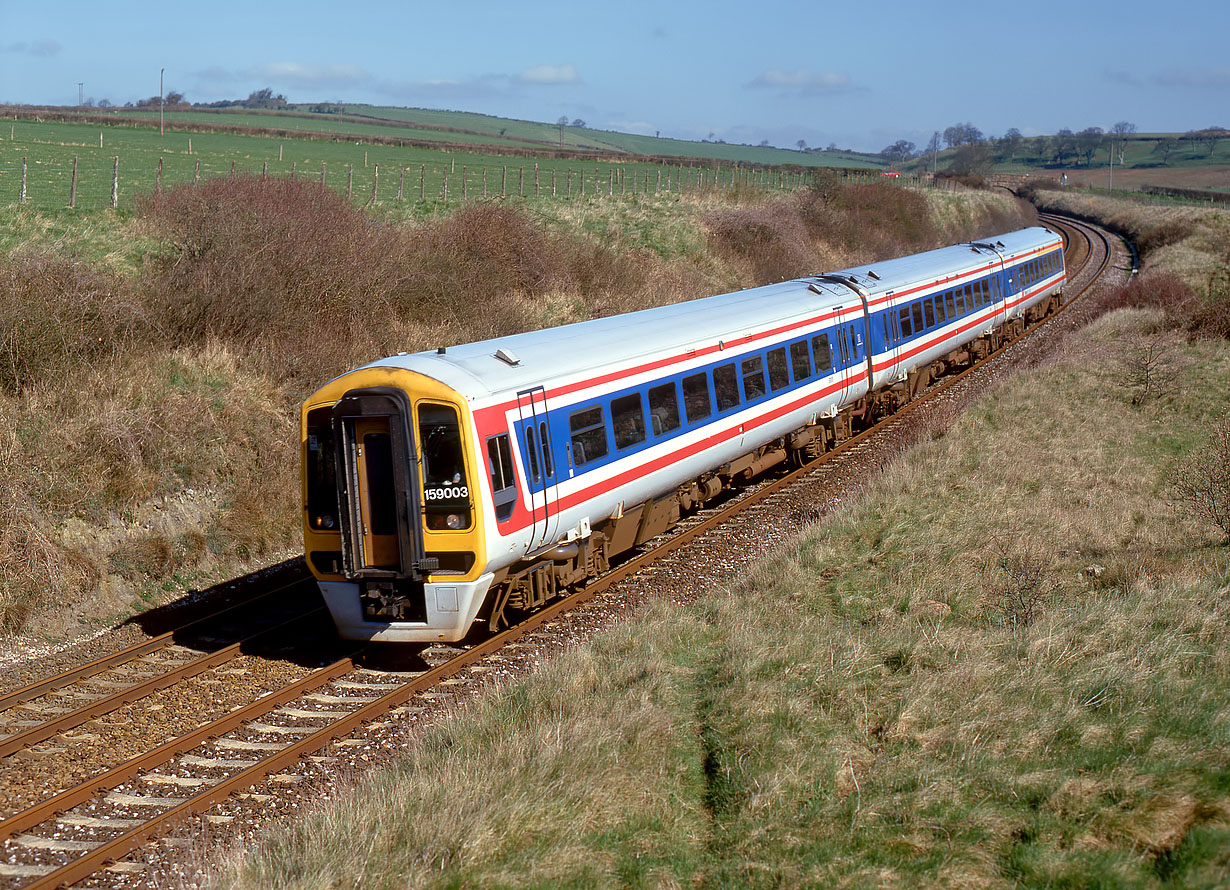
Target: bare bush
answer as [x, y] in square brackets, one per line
[1020, 579]
[1152, 366]
[1201, 486]
[772, 240]
[56, 313]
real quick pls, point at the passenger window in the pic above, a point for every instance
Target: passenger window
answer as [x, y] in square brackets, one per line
[800, 361]
[726, 386]
[822, 354]
[664, 409]
[503, 483]
[753, 378]
[532, 452]
[969, 298]
[628, 419]
[696, 397]
[903, 315]
[950, 304]
[588, 435]
[918, 316]
[929, 311]
[547, 468]
[779, 375]
[939, 308]
[888, 339]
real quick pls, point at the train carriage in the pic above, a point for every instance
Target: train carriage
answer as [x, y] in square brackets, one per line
[447, 488]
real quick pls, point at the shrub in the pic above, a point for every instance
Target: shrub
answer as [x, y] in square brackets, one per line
[56, 313]
[1202, 484]
[771, 239]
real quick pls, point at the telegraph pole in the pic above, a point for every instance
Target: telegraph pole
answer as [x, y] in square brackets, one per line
[160, 102]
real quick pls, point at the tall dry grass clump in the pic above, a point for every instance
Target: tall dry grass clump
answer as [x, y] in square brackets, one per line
[57, 313]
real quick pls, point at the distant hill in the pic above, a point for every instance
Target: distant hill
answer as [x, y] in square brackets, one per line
[490, 133]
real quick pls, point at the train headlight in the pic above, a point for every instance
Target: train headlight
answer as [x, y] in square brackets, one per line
[325, 522]
[455, 521]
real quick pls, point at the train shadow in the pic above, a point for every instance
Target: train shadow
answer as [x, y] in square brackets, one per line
[275, 613]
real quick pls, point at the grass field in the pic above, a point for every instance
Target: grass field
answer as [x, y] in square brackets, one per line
[1006, 665]
[49, 149]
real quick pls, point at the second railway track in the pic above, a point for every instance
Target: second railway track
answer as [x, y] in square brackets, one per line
[98, 830]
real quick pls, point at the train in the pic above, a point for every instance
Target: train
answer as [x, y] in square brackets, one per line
[446, 492]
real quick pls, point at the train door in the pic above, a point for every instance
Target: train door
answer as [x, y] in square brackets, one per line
[540, 465]
[841, 354]
[371, 465]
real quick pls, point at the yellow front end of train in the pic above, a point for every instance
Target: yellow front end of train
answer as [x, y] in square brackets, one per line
[392, 518]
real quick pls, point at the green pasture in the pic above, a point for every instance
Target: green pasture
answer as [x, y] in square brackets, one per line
[469, 127]
[48, 149]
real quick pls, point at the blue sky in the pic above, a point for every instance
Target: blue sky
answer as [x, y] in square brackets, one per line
[858, 75]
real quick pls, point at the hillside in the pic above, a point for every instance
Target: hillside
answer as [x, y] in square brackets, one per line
[425, 127]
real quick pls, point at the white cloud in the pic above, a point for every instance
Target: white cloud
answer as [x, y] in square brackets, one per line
[1200, 78]
[45, 47]
[295, 74]
[549, 75]
[802, 80]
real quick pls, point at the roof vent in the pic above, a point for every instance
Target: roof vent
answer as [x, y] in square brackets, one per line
[439, 350]
[871, 274]
[507, 356]
[815, 288]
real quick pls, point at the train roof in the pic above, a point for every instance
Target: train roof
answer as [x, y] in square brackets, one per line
[586, 349]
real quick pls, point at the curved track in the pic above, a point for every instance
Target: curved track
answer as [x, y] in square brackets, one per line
[68, 835]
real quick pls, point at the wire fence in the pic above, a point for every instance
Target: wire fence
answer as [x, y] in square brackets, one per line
[92, 181]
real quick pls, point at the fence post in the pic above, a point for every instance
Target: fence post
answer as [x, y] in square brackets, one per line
[158, 180]
[294, 170]
[536, 190]
[422, 182]
[322, 173]
[350, 180]
[375, 183]
[553, 191]
[465, 183]
[446, 185]
[72, 192]
[569, 182]
[115, 183]
[264, 170]
[484, 182]
[401, 185]
[521, 182]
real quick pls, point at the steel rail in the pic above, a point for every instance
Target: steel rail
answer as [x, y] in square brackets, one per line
[115, 659]
[138, 691]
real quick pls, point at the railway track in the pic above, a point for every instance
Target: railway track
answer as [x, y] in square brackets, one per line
[85, 831]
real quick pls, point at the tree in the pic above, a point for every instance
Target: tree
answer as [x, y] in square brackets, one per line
[1165, 148]
[1088, 141]
[901, 150]
[264, 98]
[802, 144]
[1063, 144]
[174, 98]
[1120, 131]
[1011, 143]
[962, 134]
[577, 122]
